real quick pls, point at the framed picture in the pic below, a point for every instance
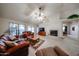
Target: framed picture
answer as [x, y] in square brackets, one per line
[73, 28]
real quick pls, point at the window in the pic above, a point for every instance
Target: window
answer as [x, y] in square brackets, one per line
[13, 28]
[21, 28]
[16, 29]
[31, 28]
[37, 30]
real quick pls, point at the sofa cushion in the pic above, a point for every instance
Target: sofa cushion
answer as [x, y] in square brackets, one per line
[2, 49]
[9, 44]
[60, 52]
[4, 38]
[19, 46]
[22, 42]
[2, 42]
[12, 38]
[46, 52]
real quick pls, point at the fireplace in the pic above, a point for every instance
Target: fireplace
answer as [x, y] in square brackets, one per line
[53, 32]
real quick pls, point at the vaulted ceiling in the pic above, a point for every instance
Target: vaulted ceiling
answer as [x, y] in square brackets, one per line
[22, 11]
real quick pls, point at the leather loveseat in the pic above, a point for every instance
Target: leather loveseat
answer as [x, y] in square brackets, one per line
[51, 51]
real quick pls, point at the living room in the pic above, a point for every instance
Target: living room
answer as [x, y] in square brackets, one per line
[33, 28]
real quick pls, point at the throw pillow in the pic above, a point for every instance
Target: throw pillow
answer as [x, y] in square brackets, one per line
[12, 38]
[9, 44]
[2, 49]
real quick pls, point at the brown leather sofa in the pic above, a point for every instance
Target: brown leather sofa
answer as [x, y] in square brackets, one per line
[18, 50]
[51, 51]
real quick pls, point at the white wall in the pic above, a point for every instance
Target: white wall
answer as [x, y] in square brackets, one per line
[75, 33]
[53, 24]
[53, 21]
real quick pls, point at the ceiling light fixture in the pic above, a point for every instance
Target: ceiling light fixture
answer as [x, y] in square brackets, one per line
[39, 15]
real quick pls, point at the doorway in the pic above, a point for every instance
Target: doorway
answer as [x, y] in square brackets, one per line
[65, 28]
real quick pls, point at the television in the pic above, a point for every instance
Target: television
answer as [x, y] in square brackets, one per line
[41, 29]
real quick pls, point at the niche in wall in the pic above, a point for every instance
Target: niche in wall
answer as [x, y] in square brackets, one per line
[73, 28]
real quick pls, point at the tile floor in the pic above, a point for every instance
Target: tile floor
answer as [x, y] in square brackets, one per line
[71, 46]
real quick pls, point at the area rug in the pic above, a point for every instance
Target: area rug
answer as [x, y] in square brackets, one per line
[37, 45]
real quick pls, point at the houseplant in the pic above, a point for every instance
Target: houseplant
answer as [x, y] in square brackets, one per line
[73, 16]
